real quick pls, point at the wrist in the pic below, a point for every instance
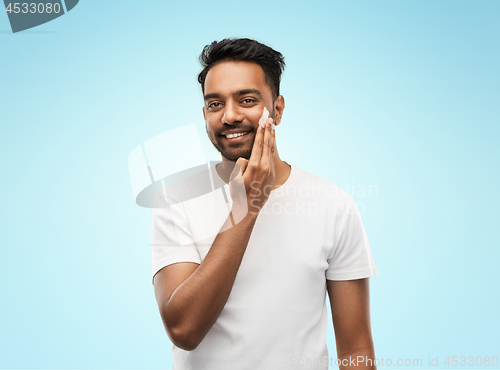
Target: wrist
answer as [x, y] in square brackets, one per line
[240, 212]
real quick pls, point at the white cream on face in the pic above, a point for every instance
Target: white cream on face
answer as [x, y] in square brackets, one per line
[264, 117]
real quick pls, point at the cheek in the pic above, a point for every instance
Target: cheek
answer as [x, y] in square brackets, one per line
[260, 113]
[211, 130]
[213, 122]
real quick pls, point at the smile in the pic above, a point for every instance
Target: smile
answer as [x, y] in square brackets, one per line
[236, 137]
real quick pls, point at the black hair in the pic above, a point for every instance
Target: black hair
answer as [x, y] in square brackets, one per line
[271, 61]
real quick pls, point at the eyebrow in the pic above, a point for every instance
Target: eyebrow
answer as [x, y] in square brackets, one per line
[237, 93]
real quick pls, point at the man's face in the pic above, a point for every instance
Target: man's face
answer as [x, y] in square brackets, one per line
[235, 96]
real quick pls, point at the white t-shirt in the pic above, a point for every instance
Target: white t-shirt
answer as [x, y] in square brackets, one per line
[309, 230]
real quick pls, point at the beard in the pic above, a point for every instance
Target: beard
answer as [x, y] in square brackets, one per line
[233, 152]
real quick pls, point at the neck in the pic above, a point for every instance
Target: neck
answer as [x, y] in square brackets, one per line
[282, 170]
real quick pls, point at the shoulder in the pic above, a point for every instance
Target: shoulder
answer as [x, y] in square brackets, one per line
[181, 187]
[313, 185]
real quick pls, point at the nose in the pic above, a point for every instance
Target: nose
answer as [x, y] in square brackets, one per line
[231, 113]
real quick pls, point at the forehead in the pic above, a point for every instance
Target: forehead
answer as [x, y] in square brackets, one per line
[228, 77]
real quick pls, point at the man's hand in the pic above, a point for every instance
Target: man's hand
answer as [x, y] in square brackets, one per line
[255, 177]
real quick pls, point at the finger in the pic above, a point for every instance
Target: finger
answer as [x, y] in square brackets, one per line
[239, 168]
[273, 148]
[242, 162]
[257, 147]
[265, 160]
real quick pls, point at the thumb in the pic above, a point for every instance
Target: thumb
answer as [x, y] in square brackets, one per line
[242, 162]
[239, 168]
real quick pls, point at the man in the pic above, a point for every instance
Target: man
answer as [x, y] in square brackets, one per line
[253, 295]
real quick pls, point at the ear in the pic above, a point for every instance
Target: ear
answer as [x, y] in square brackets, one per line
[204, 114]
[279, 107]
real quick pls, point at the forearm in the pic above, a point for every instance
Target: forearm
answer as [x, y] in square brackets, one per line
[196, 304]
[362, 359]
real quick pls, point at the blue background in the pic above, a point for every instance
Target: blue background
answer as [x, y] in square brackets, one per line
[399, 95]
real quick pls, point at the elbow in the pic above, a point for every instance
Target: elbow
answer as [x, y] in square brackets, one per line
[182, 338]
[181, 333]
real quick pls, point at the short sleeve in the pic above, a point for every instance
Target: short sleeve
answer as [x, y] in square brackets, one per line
[171, 238]
[352, 257]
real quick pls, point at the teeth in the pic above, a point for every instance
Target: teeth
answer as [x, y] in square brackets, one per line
[230, 136]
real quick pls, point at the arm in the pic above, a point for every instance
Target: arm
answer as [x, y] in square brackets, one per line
[191, 296]
[350, 303]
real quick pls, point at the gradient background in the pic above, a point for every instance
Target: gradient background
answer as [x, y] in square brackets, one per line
[399, 95]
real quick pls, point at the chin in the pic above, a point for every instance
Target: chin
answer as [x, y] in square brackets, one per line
[234, 154]
[234, 159]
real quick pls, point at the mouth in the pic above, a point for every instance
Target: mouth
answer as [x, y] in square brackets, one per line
[236, 137]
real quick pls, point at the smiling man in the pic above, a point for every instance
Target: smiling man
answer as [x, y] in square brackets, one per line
[254, 295]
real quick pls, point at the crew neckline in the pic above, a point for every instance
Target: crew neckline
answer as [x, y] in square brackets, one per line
[288, 181]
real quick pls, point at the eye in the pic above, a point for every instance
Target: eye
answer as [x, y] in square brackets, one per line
[210, 105]
[251, 100]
